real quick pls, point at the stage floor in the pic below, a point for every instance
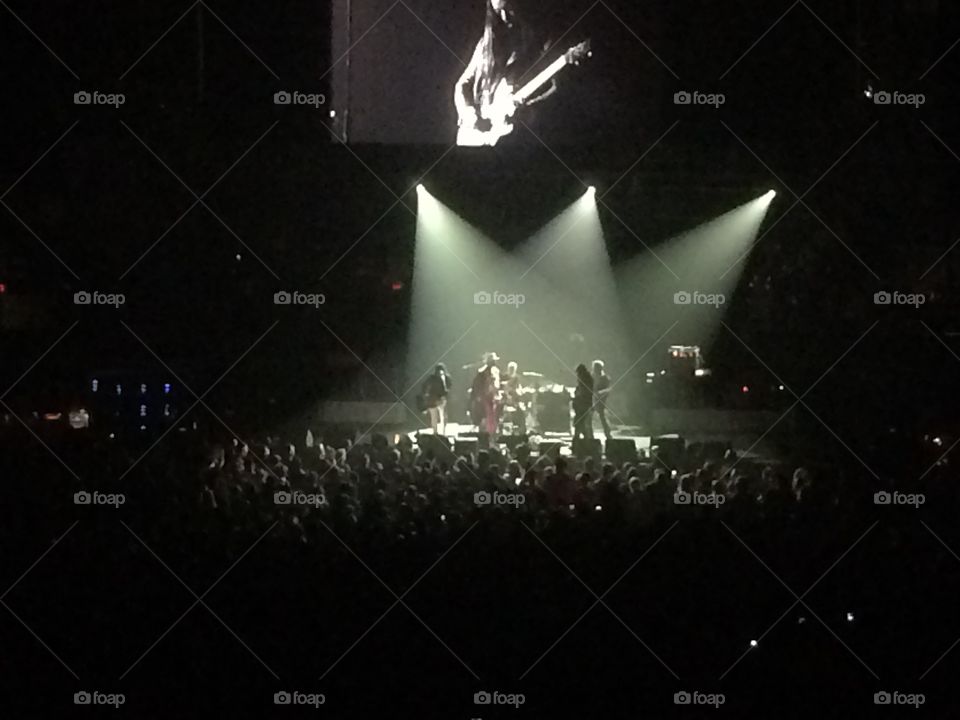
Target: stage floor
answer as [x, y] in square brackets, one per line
[457, 431]
[745, 445]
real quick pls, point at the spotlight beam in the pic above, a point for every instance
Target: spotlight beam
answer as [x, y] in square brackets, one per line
[697, 253]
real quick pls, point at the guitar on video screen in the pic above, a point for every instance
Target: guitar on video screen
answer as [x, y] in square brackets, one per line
[491, 119]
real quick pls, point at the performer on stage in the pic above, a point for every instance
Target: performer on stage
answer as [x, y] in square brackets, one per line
[485, 395]
[510, 384]
[601, 389]
[512, 400]
[583, 402]
[435, 392]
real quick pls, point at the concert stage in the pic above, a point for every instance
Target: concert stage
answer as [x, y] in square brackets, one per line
[748, 433]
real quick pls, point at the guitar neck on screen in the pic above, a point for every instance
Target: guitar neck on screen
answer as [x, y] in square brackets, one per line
[491, 119]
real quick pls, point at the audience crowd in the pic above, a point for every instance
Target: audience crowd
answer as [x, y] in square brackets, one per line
[501, 552]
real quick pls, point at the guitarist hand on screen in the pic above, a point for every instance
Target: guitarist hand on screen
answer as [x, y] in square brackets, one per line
[544, 93]
[547, 92]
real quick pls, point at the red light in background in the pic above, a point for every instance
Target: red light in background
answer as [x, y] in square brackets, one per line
[3, 288]
[745, 389]
[397, 286]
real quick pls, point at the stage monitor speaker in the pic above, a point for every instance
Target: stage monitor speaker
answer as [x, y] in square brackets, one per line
[464, 448]
[434, 447]
[621, 451]
[522, 452]
[549, 449]
[669, 448]
[584, 448]
[512, 441]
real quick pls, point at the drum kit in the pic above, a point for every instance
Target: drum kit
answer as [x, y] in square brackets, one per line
[536, 404]
[528, 402]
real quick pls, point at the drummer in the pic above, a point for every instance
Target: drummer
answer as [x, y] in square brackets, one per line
[510, 383]
[512, 390]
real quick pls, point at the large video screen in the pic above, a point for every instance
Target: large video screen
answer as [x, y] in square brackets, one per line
[484, 73]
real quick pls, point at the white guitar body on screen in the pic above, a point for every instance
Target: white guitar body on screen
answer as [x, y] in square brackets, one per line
[494, 117]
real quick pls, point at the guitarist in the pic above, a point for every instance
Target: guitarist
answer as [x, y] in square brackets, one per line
[504, 52]
[436, 390]
[486, 396]
[601, 389]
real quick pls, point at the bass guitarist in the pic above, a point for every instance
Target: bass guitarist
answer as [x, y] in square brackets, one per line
[504, 52]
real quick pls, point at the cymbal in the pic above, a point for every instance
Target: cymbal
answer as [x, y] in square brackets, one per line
[532, 374]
